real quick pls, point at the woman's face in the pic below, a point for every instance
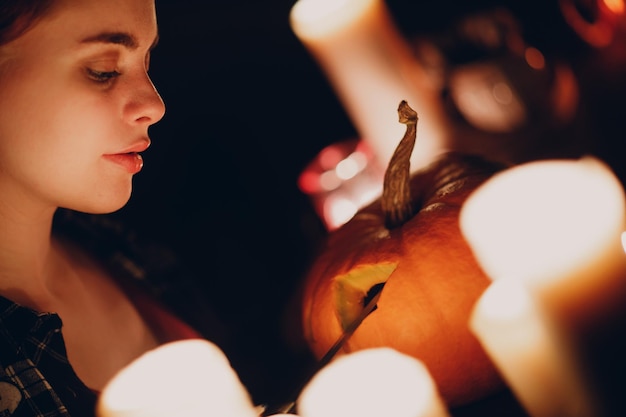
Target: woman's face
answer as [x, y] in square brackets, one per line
[75, 105]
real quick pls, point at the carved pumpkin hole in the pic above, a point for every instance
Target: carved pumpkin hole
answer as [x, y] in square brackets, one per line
[354, 289]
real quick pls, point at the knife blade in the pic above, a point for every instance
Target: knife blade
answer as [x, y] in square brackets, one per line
[371, 304]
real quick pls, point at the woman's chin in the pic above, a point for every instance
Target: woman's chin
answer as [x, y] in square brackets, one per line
[104, 204]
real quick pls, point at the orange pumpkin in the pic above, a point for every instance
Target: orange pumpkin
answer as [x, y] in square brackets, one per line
[431, 279]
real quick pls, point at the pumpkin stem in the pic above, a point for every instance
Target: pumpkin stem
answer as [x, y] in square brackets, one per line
[396, 198]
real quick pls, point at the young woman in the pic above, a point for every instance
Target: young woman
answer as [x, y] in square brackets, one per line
[76, 103]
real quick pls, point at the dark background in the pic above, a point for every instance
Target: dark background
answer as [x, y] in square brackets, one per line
[247, 109]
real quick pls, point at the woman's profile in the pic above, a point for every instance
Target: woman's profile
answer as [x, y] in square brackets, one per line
[76, 102]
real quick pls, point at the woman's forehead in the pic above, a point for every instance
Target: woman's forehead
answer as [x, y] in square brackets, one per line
[84, 20]
[116, 12]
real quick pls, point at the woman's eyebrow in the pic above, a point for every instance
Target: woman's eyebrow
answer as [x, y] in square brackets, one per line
[117, 38]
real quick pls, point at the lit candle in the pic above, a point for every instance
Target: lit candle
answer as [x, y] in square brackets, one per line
[529, 352]
[191, 378]
[556, 226]
[372, 69]
[373, 382]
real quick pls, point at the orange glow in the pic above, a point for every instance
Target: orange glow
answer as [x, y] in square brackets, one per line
[534, 58]
[597, 32]
[616, 6]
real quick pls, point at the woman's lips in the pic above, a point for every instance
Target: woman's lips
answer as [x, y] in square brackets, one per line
[131, 161]
[129, 158]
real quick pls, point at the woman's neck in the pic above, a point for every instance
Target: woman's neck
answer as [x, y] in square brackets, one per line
[28, 259]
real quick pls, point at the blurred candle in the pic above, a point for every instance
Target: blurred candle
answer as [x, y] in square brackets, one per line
[529, 352]
[372, 69]
[190, 378]
[373, 382]
[341, 179]
[556, 226]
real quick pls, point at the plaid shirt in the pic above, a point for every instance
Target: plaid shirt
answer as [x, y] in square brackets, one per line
[36, 379]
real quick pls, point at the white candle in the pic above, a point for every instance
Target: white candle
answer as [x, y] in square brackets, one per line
[557, 226]
[529, 353]
[190, 378]
[372, 69]
[377, 382]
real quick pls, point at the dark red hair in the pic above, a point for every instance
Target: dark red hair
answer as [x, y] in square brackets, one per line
[17, 16]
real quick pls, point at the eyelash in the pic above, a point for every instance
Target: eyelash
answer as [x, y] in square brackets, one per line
[103, 76]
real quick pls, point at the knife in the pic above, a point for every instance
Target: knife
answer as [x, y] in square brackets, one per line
[372, 303]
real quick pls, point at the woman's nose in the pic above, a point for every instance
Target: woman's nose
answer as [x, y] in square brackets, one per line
[145, 105]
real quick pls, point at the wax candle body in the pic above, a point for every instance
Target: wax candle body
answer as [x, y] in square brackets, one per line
[372, 69]
[529, 352]
[372, 383]
[190, 378]
[556, 226]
